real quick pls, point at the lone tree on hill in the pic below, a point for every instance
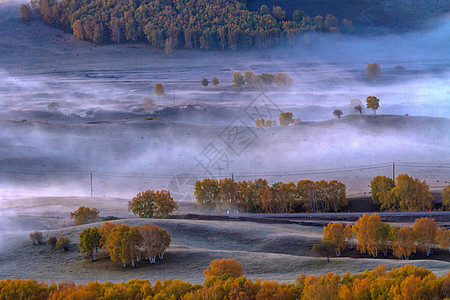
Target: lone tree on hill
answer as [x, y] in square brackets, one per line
[338, 113]
[373, 71]
[159, 89]
[373, 103]
[205, 82]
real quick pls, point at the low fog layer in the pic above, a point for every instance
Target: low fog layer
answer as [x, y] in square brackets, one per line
[98, 124]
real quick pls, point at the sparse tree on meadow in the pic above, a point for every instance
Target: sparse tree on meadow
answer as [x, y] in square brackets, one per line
[149, 104]
[267, 78]
[373, 71]
[338, 113]
[249, 77]
[204, 82]
[373, 103]
[358, 108]
[334, 232]
[159, 89]
[283, 80]
[215, 81]
[325, 248]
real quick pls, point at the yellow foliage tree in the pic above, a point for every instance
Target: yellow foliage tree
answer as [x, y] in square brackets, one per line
[424, 230]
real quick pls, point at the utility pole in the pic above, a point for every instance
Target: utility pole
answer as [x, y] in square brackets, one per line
[393, 171]
[91, 185]
[232, 176]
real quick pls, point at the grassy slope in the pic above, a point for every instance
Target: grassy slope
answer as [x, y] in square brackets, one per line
[272, 252]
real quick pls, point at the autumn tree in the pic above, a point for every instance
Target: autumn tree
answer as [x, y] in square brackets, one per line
[367, 231]
[286, 197]
[25, 12]
[347, 26]
[228, 194]
[159, 89]
[90, 242]
[151, 204]
[338, 113]
[84, 215]
[215, 81]
[238, 79]
[334, 232]
[151, 241]
[285, 118]
[78, 30]
[443, 238]
[325, 248]
[298, 15]
[373, 71]
[373, 103]
[267, 78]
[225, 268]
[358, 108]
[404, 245]
[411, 194]
[206, 192]
[424, 230]
[379, 186]
[337, 195]
[283, 80]
[204, 82]
[446, 198]
[122, 244]
[149, 103]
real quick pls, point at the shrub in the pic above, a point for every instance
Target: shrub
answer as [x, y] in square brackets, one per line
[84, 215]
[52, 242]
[62, 244]
[36, 237]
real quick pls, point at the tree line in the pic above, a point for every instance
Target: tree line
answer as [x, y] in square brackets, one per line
[374, 236]
[181, 24]
[403, 194]
[125, 244]
[225, 280]
[259, 197]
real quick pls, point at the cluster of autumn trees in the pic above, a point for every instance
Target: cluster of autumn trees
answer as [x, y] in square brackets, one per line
[151, 204]
[285, 119]
[183, 24]
[374, 236]
[259, 197]
[403, 194]
[124, 243]
[264, 79]
[225, 280]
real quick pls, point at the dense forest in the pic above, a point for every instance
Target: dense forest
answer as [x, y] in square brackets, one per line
[169, 24]
[225, 280]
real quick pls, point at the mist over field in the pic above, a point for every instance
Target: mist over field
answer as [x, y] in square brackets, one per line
[99, 122]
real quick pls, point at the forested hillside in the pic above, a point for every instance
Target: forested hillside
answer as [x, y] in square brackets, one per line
[183, 24]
